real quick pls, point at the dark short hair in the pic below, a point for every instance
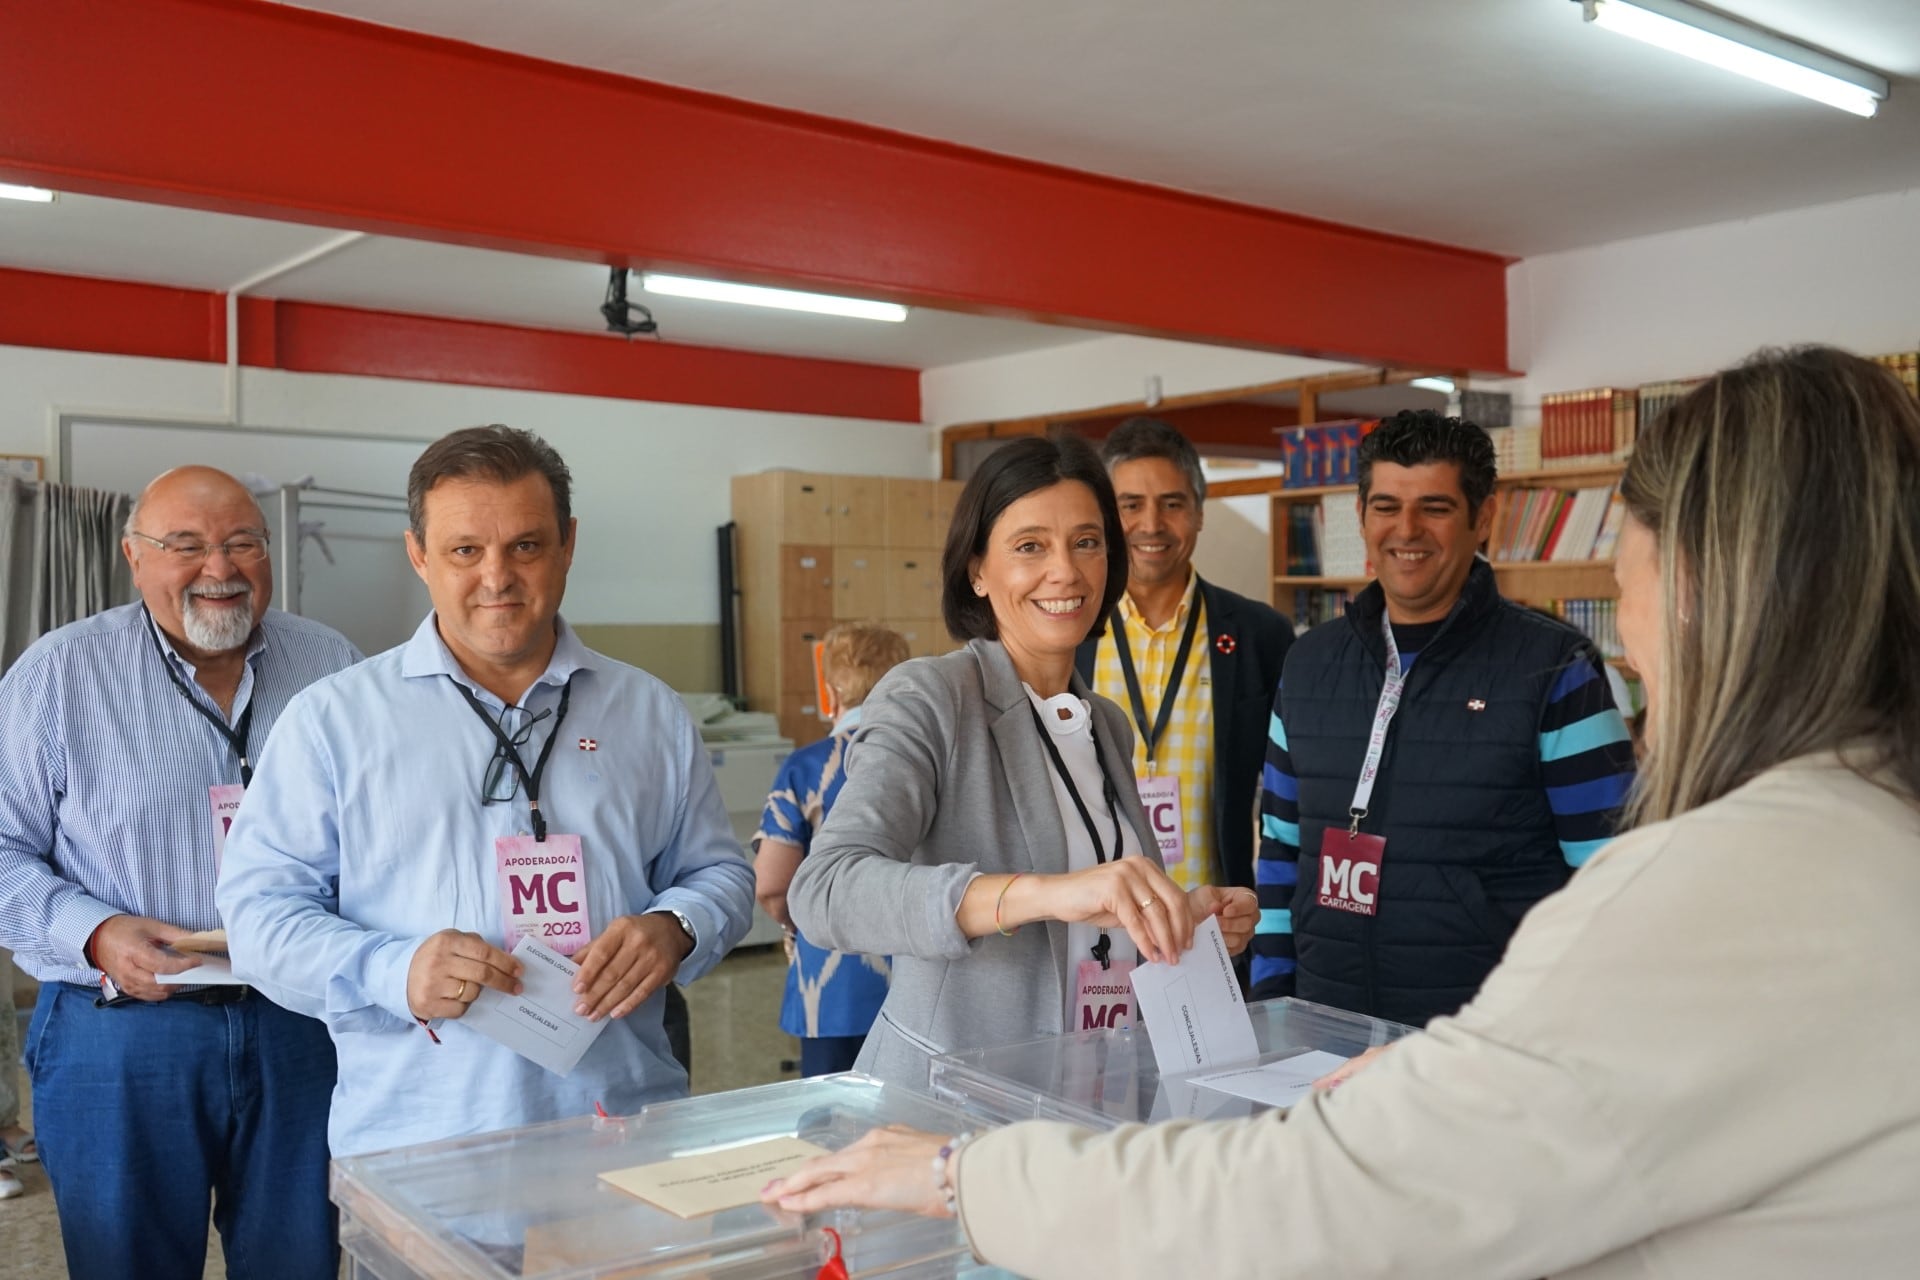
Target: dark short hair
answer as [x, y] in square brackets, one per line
[498, 453]
[1009, 474]
[1414, 437]
[1143, 437]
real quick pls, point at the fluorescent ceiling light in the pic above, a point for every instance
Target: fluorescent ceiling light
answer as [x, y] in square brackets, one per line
[1743, 50]
[39, 195]
[1443, 385]
[785, 299]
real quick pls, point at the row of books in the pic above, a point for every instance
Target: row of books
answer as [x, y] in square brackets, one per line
[1593, 425]
[1515, 449]
[1904, 365]
[1599, 619]
[1325, 453]
[1557, 524]
[1323, 539]
[1315, 605]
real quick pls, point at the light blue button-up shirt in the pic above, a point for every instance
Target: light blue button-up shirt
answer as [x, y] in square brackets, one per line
[364, 832]
[104, 771]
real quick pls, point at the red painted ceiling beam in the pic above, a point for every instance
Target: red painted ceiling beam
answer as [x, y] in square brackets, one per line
[79, 314]
[263, 109]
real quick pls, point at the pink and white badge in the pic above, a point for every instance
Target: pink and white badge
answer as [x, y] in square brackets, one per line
[543, 891]
[1103, 998]
[1160, 797]
[224, 800]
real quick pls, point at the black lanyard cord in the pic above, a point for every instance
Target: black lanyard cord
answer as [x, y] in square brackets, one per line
[1150, 737]
[1102, 947]
[236, 736]
[531, 781]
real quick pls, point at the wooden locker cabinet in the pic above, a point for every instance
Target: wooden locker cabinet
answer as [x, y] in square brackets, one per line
[817, 549]
[806, 582]
[909, 507]
[859, 511]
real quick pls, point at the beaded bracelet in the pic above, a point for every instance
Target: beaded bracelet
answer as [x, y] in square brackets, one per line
[942, 1161]
[1000, 902]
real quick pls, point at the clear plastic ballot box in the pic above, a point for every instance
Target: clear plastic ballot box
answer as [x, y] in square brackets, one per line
[1104, 1078]
[529, 1202]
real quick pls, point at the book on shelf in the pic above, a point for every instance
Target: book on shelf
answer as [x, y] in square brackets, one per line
[1315, 605]
[1343, 550]
[1658, 397]
[1596, 425]
[1904, 365]
[1542, 523]
[1325, 453]
[1598, 619]
[1515, 449]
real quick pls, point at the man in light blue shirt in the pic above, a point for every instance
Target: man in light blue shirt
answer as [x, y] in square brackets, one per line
[128, 737]
[372, 885]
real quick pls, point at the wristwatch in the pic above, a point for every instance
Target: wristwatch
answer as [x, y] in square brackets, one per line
[686, 925]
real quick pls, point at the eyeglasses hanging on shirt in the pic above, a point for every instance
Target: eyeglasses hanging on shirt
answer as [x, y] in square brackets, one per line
[507, 752]
[1104, 947]
[236, 735]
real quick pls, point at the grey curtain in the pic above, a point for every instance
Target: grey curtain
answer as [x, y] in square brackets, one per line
[59, 558]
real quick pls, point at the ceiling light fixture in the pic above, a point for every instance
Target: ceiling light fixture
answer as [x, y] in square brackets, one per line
[38, 195]
[785, 299]
[1744, 50]
[1443, 385]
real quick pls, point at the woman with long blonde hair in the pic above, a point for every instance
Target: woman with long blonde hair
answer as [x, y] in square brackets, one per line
[1702, 1057]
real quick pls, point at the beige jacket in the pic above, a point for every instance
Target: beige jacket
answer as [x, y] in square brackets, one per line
[1700, 1059]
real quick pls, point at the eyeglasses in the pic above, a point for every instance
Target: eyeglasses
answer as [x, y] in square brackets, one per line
[502, 781]
[248, 548]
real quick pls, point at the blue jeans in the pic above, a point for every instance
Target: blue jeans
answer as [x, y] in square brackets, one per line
[149, 1114]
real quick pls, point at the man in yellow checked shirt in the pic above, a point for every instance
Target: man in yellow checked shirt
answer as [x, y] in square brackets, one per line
[1204, 664]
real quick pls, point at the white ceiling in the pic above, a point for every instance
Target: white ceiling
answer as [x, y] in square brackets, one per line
[154, 244]
[1506, 125]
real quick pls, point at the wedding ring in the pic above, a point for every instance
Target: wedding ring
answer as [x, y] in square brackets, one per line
[1148, 902]
[462, 997]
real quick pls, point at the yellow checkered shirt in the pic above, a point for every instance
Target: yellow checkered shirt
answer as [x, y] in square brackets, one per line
[1186, 749]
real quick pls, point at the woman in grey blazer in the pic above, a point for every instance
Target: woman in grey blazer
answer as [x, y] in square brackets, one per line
[951, 831]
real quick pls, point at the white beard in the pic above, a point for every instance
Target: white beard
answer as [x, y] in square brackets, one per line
[216, 631]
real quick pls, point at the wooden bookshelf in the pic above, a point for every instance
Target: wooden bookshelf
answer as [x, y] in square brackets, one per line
[1529, 581]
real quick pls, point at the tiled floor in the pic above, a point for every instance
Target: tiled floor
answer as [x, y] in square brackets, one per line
[736, 1042]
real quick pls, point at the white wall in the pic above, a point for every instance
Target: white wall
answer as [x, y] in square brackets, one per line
[1088, 375]
[1686, 303]
[650, 480]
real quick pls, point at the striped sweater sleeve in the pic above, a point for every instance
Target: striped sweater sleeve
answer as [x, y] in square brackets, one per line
[1277, 868]
[1586, 759]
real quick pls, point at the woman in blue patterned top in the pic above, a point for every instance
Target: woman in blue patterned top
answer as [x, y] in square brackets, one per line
[832, 996]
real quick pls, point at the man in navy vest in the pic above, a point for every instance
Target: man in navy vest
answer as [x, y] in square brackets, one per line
[1439, 760]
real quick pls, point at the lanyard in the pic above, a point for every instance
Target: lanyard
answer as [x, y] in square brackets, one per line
[1151, 736]
[236, 735]
[1105, 944]
[1391, 688]
[531, 781]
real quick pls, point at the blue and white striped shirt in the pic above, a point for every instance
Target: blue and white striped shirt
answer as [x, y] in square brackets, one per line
[104, 771]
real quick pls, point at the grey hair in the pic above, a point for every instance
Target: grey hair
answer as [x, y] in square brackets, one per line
[1784, 499]
[1143, 437]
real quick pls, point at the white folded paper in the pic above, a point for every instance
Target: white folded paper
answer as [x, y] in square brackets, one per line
[1192, 1008]
[1278, 1084]
[539, 1024]
[212, 971]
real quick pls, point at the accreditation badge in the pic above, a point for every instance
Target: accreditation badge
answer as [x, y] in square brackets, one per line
[224, 800]
[1160, 797]
[543, 891]
[1103, 998]
[1350, 870]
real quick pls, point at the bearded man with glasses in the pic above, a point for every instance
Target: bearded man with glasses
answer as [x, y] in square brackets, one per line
[129, 739]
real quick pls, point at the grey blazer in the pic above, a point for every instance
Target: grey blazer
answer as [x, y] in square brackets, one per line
[947, 779]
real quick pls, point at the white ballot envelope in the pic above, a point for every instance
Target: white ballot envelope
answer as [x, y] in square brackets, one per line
[1278, 1084]
[1192, 1008]
[213, 971]
[539, 1024]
